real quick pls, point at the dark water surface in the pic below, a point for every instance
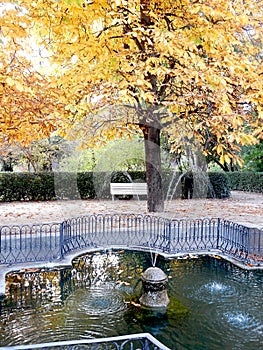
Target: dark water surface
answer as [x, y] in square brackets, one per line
[214, 305]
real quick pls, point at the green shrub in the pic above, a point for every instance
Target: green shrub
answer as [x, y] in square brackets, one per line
[246, 181]
[205, 185]
[89, 185]
[85, 185]
[26, 186]
[220, 185]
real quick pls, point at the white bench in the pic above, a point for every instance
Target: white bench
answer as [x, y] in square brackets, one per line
[130, 188]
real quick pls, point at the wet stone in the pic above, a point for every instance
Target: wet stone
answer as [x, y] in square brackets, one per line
[154, 282]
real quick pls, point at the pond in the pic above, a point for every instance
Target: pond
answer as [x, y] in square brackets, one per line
[214, 305]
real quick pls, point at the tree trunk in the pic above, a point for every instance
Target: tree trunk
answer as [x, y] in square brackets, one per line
[155, 198]
[151, 127]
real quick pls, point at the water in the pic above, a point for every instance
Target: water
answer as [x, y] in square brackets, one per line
[214, 305]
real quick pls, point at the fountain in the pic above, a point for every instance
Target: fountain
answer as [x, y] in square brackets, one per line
[154, 282]
[213, 304]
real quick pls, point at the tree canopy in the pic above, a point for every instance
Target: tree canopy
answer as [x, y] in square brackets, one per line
[29, 103]
[186, 67]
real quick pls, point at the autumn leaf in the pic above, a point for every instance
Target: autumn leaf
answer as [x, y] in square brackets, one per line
[179, 67]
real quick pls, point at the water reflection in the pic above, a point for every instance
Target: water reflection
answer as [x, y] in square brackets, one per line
[215, 305]
[96, 301]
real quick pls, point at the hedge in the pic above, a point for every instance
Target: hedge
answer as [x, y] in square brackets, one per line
[88, 185]
[204, 185]
[26, 186]
[246, 181]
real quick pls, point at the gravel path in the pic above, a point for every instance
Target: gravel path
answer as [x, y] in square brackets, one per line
[242, 207]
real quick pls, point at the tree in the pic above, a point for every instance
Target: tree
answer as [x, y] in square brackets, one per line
[253, 157]
[37, 156]
[30, 105]
[41, 155]
[7, 162]
[154, 65]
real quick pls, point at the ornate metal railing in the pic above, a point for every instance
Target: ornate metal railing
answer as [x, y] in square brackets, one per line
[30, 243]
[142, 341]
[52, 242]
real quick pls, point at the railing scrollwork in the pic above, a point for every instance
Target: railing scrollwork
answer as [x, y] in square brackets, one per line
[52, 242]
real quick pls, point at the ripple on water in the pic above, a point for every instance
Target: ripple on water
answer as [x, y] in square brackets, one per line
[216, 287]
[96, 301]
[215, 291]
[243, 321]
[225, 308]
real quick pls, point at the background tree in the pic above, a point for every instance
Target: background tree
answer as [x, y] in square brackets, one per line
[119, 154]
[154, 65]
[42, 155]
[37, 156]
[7, 160]
[253, 157]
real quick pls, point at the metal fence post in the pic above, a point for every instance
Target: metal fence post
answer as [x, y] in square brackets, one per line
[249, 245]
[61, 240]
[219, 224]
[167, 236]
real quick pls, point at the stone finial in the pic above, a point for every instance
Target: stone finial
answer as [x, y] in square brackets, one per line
[154, 282]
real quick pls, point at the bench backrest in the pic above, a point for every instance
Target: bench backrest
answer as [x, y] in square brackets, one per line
[128, 188]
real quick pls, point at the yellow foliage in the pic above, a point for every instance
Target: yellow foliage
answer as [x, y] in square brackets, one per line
[116, 63]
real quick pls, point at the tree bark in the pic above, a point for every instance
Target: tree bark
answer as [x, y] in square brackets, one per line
[151, 127]
[155, 198]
